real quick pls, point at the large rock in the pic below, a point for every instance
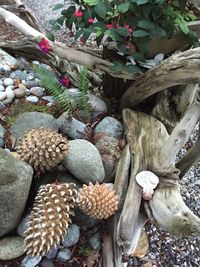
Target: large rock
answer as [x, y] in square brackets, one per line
[15, 182]
[11, 247]
[29, 120]
[84, 161]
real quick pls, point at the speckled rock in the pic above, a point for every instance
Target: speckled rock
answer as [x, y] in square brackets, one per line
[29, 120]
[29, 261]
[72, 236]
[37, 91]
[18, 74]
[111, 127]
[64, 255]
[70, 126]
[84, 161]
[32, 99]
[15, 182]
[11, 247]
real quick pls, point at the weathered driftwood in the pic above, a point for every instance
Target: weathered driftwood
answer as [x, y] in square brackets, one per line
[171, 105]
[191, 157]
[181, 68]
[147, 137]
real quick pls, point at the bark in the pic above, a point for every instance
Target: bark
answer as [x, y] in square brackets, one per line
[182, 68]
[191, 157]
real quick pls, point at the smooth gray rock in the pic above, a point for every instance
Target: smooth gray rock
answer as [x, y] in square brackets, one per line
[52, 253]
[7, 101]
[83, 219]
[37, 91]
[70, 126]
[72, 236]
[98, 105]
[8, 81]
[11, 247]
[111, 127]
[29, 261]
[18, 74]
[1, 142]
[48, 98]
[95, 241]
[64, 255]
[32, 99]
[30, 84]
[22, 226]
[29, 120]
[15, 182]
[2, 131]
[6, 61]
[46, 263]
[84, 161]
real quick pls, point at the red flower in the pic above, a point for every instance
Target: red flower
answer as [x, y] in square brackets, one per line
[44, 45]
[110, 26]
[65, 81]
[82, 40]
[91, 20]
[78, 13]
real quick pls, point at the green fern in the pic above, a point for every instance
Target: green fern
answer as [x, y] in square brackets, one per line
[82, 83]
[53, 86]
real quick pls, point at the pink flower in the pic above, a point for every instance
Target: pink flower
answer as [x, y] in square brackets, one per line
[65, 81]
[91, 20]
[78, 13]
[81, 40]
[44, 45]
[110, 26]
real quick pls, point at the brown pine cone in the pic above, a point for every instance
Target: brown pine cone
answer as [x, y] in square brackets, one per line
[99, 200]
[42, 148]
[49, 218]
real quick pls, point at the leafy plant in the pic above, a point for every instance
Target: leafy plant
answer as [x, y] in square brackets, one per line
[130, 23]
[54, 87]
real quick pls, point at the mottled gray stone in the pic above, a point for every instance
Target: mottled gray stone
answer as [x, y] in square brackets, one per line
[64, 255]
[37, 91]
[110, 126]
[95, 241]
[84, 161]
[98, 105]
[70, 126]
[18, 74]
[52, 253]
[72, 236]
[32, 99]
[11, 247]
[30, 84]
[29, 261]
[46, 263]
[29, 120]
[15, 182]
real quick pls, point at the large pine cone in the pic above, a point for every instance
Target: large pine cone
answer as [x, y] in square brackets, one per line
[42, 148]
[99, 200]
[49, 218]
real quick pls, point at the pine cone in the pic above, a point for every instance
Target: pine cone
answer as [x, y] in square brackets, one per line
[99, 201]
[42, 148]
[49, 218]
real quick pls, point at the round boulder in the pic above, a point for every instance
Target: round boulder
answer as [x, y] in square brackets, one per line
[11, 247]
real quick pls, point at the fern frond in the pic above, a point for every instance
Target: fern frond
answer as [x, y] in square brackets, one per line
[54, 87]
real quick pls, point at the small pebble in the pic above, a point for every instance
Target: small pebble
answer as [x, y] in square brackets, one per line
[10, 94]
[95, 241]
[3, 95]
[29, 261]
[7, 101]
[46, 263]
[48, 98]
[30, 84]
[37, 91]
[2, 106]
[72, 236]
[2, 88]
[8, 81]
[19, 92]
[52, 253]
[18, 74]
[32, 99]
[9, 87]
[64, 255]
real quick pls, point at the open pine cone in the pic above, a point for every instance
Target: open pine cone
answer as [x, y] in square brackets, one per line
[49, 218]
[42, 148]
[99, 200]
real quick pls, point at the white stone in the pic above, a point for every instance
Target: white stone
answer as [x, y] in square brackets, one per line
[8, 81]
[32, 99]
[10, 94]
[3, 95]
[9, 87]
[2, 88]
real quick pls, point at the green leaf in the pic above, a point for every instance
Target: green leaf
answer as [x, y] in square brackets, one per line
[100, 10]
[78, 33]
[139, 33]
[123, 8]
[132, 69]
[86, 35]
[184, 28]
[57, 6]
[138, 56]
[50, 36]
[111, 33]
[142, 2]
[99, 39]
[146, 24]
[117, 66]
[91, 2]
[122, 31]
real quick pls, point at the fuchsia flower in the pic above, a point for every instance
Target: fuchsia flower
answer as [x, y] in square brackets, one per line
[91, 20]
[78, 13]
[45, 45]
[110, 26]
[65, 81]
[81, 40]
